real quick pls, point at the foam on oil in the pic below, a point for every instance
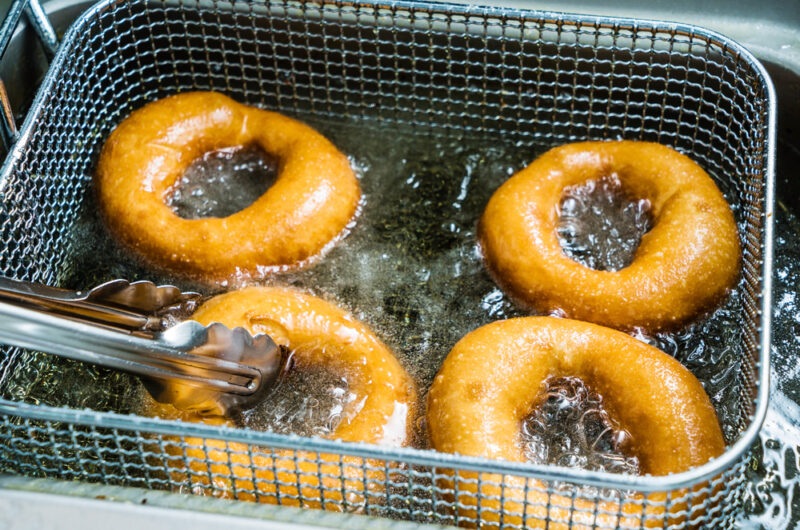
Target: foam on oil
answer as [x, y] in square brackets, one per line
[572, 428]
[599, 226]
[311, 401]
[410, 269]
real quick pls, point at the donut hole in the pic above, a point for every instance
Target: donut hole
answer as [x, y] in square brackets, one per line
[572, 428]
[600, 226]
[223, 182]
[306, 401]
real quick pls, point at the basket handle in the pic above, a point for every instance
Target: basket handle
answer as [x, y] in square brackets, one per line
[47, 35]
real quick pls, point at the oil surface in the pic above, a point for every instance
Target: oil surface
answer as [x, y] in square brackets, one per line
[410, 268]
[599, 226]
[223, 182]
[572, 428]
[306, 402]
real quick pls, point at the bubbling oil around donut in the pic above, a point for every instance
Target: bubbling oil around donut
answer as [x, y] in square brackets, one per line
[410, 269]
[306, 402]
[223, 182]
[599, 226]
[571, 428]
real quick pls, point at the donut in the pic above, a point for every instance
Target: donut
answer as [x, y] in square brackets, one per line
[313, 198]
[683, 266]
[494, 378]
[318, 334]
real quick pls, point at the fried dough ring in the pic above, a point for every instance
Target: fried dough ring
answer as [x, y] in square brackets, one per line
[684, 265]
[312, 200]
[493, 378]
[318, 334]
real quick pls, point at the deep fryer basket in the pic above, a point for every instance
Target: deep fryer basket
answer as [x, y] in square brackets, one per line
[539, 78]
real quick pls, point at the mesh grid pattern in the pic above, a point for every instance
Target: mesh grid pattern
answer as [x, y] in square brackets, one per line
[538, 79]
[387, 487]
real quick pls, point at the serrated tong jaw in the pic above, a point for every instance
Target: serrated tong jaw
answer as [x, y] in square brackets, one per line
[127, 326]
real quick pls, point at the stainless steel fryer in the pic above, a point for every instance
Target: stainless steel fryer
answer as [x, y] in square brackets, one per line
[539, 78]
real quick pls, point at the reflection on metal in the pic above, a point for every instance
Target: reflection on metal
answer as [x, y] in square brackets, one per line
[123, 326]
[41, 24]
[47, 35]
[9, 125]
[127, 508]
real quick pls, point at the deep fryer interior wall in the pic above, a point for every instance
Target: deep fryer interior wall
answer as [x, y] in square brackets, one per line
[538, 79]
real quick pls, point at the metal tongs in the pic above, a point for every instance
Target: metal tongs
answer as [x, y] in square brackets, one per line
[126, 326]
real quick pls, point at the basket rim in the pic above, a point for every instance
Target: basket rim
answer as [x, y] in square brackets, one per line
[427, 457]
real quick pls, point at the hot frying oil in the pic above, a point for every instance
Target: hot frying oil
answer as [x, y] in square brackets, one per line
[410, 268]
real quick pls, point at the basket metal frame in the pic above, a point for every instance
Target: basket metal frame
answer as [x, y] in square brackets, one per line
[690, 478]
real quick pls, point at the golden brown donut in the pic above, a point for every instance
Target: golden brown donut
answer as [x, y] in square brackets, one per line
[683, 266]
[318, 334]
[312, 200]
[494, 378]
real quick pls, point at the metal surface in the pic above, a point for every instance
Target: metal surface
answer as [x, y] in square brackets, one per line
[539, 78]
[120, 325]
[80, 506]
[117, 304]
[47, 35]
[769, 29]
[8, 126]
[8, 129]
[41, 25]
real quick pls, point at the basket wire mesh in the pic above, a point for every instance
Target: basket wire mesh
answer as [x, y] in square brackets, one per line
[537, 78]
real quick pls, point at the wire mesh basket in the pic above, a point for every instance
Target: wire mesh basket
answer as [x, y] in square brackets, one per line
[537, 78]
